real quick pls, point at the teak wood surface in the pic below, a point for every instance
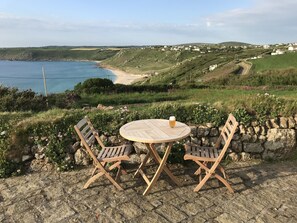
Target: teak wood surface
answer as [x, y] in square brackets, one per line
[150, 132]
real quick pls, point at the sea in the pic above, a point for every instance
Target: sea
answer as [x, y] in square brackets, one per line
[59, 75]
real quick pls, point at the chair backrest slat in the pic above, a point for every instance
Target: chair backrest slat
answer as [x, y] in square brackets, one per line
[81, 123]
[85, 129]
[90, 140]
[87, 135]
[227, 134]
[225, 137]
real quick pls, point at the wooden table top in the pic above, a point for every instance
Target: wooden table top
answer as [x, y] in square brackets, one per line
[154, 131]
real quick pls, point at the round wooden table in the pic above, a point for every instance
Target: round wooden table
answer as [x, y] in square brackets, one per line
[150, 132]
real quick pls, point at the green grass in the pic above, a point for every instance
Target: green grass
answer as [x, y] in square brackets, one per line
[228, 98]
[128, 98]
[58, 53]
[284, 61]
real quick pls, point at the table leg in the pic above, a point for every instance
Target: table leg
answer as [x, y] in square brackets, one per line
[143, 163]
[161, 166]
[158, 160]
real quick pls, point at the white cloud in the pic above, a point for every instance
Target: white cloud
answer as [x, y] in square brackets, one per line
[265, 21]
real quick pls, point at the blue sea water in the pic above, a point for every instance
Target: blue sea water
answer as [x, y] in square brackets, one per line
[60, 75]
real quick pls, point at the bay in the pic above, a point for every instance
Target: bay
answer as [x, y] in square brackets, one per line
[60, 75]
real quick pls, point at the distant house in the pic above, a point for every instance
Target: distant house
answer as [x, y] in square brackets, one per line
[291, 48]
[266, 46]
[212, 67]
[277, 52]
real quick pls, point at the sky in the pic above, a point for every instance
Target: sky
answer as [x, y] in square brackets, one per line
[25, 23]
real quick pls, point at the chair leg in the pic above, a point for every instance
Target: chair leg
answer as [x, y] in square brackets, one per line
[92, 179]
[113, 181]
[222, 171]
[119, 173]
[202, 182]
[225, 183]
[93, 171]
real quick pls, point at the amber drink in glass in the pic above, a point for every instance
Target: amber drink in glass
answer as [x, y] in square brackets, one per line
[172, 121]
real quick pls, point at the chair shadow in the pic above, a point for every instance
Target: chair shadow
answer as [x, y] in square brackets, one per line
[246, 177]
[241, 178]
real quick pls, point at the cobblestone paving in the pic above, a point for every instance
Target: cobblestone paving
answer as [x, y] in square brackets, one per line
[264, 193]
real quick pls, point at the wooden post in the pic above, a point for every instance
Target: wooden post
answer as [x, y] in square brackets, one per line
[44, 84]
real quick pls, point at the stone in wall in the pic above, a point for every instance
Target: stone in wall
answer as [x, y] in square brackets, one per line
[249, 138]
[283, 122]
[205, 141]
[291, 123]
[236, 146]
[280, 143]
[233, 156]
[236, 137]
[268, 124]
[140, 148]
[213, 140]
[202, 131]
[242, 129]
[257, 130]
[245, 156]
[263, 131]
[253, 147]
[262, 138]
[196, 141]
[193, 131]
[214, 132]
[81, 157]
[274, 123]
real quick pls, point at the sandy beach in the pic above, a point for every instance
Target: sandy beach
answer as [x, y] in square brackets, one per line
[123, 77]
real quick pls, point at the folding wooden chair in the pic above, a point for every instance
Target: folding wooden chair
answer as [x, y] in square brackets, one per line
[209, 158]
[108, 157]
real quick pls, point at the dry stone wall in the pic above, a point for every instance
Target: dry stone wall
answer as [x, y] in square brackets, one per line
[274, 140]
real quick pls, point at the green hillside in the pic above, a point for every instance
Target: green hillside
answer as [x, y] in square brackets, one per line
[55, 53]
[284, 61]
[177, 65]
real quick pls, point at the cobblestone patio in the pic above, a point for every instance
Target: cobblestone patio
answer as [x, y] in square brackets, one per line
[265, 192]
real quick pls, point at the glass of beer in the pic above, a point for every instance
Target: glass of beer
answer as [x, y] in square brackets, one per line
[172, 121]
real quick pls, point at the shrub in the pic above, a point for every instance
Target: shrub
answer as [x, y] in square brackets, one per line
[204, 113]
[264, 106]
[242, 116]
[93, 85]
[11, 99]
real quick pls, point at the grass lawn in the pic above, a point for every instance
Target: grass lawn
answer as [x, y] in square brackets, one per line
[224, 97]
[284, 61]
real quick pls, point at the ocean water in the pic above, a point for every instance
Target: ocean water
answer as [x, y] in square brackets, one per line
[60, 75]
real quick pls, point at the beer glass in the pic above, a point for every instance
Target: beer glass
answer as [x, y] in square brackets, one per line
[172, 121]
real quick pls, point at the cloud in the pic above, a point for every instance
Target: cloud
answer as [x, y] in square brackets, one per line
[265, 21]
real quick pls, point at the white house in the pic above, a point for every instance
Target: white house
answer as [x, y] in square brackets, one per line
[266, 46]
[277, 52]
[212, 67]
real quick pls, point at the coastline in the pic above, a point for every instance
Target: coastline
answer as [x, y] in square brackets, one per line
[122, 77]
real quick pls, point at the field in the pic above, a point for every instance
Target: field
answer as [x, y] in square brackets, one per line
[285, 61]
[55, 53]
